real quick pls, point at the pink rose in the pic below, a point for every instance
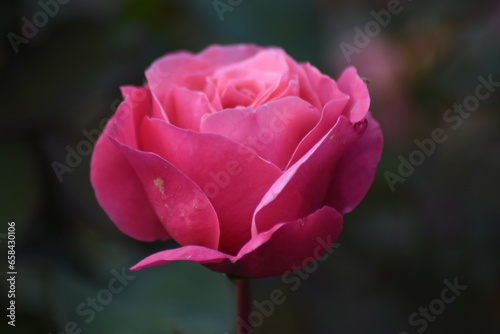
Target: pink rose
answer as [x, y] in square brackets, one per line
[243, 156]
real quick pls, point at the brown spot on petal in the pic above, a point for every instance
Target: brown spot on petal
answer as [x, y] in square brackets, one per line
[360, 125]
[160, 184]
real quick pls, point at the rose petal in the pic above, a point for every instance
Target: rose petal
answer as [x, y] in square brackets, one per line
[270, 253]
[325, 87]
[213, 95]
[272, 130]
[302, 188]
[179, 69]
[356, 170]
[233, 177]
[220, 55]
[289, 86]
[230, 97]
[306, 91]
[258, 77]
[120, 193]
[128, 118]
[351, 84]
[186, 108]
[330, 113]
[289, 246]
[117, 187]
[179, 203]
[266, 61]
[197, 254]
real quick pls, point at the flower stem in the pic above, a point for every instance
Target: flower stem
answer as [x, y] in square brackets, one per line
[244, 306]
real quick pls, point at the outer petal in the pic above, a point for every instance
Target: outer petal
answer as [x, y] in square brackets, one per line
[129, 115]
[270, 253]
[233, 177]
[196, 254]
[181, 206]
[356, 170]
[273, 130]
[117, 187]
[351, 84]
[309, 178]
[120, 193]
[290, 246]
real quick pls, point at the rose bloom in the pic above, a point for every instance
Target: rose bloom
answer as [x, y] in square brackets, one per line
[244, 157]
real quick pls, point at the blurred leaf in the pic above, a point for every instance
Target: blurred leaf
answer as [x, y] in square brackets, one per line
[178, 298]
[19, 183]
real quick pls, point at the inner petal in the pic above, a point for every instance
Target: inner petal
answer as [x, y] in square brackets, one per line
[273, 130]
[250, 82]
[232, 97]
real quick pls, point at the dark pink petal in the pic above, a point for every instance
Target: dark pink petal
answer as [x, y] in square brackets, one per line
[355, 171]
[120, 193]
[272, 130]
[331, 112]
[197, 254]
[351, 84]
[233, 177]
[179, 203]
[287, 246]
[128, 118]
[302, 188]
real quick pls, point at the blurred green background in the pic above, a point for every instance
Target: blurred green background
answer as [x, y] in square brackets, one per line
[397, 247]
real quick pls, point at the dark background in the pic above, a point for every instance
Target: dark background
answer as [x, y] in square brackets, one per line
[397, 248]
